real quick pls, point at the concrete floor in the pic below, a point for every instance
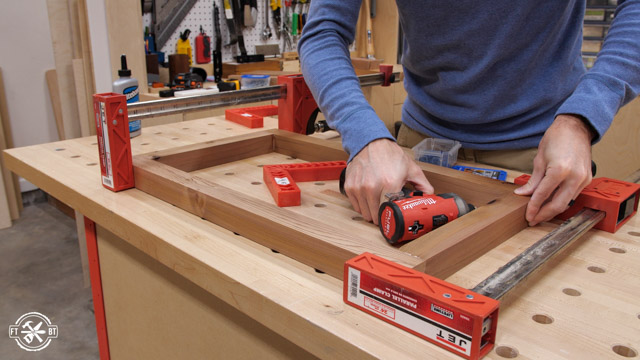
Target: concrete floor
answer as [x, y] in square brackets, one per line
[40, 270]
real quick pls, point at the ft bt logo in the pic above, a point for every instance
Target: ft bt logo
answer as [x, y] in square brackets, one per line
[33, 331]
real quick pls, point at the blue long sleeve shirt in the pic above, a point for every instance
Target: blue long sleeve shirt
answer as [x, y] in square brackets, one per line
[492, 75]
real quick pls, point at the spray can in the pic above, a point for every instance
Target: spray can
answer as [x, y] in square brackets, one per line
[129, 87]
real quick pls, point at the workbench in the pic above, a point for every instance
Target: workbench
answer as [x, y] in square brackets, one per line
[177, 286]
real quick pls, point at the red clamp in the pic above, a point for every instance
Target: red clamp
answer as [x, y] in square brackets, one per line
[298, 110]
[442, 313]
[618, 199]
[281, 179]
[114, 142]
[251, 117]
[387, 71]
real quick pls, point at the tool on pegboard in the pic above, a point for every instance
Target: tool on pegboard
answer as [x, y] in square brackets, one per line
[114, 142]
[231, 22]
[217, 51]
[203, 48]
[183, 46]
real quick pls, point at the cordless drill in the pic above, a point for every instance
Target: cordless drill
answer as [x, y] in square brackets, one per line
[405, 218]
[408, 215]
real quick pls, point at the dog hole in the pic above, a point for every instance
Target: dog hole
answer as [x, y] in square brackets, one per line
[634, 233]
[320, 205]
[203, 133]
[617, 250]
[319, 183]
[60, 149]
[542, 319]
[571, 292]
[75, 156]
[507, 352]
[185, 128]
[260, 165]
[256, 183]
[144, 144]
[175, 138]
[624, 351]
[91, 164]
[229, 173]
[157, 133]
[357, 218]
[596, 269]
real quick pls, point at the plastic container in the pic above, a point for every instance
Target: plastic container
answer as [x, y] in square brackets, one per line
[441, 152]
[254, 81]
[128, 86]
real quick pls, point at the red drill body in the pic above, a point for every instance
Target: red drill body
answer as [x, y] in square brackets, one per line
[411, 217]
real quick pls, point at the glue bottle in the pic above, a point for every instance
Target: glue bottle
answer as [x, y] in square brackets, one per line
[129, 87]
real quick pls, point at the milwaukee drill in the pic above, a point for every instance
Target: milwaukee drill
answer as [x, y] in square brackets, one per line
[405, 218]
[408, 215]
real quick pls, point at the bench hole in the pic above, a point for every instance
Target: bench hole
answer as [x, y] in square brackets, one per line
[624, 351]
[175, 138]
[634, 233]
[60, 149]
[507, 352]
[542, 319]
[357, 218]
[229, 173]
[91, 164]
[157, 133]
[75, 156]
[144, 144]
[617, 250]
[256, 183]
[571, 292]
[203, 133]
[320, 205]
[596, 269]
[319, 183]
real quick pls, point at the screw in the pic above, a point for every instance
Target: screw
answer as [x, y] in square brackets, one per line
[469, 296]
[115, 122]
[120, 111]
[447, 295]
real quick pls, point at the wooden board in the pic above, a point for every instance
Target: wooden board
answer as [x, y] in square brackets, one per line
[175, 177]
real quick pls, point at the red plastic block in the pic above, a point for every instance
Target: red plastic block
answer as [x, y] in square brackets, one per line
[618, 199]
[444, 314]
[114, 143]
[251, 117]
[281, 179]
[522, 179]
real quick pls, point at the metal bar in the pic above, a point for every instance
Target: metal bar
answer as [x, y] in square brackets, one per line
[147, 109]
[508, 276]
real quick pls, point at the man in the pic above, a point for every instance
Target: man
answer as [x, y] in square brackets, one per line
[499, 76]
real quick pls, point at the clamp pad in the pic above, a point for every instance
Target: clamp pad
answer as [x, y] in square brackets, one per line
[251, 117]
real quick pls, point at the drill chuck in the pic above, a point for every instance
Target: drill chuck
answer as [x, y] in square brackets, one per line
[413, 216]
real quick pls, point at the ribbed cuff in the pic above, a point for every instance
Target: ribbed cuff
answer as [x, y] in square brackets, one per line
[360, 128]
[595, 102]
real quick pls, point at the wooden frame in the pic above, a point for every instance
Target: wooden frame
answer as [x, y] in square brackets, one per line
[326, 245]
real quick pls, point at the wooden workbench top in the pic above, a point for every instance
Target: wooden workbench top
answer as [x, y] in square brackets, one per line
[583, 304]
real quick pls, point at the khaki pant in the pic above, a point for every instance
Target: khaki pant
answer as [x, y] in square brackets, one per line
[519, 160]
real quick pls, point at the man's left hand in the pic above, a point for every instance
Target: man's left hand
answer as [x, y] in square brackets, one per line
[561, 169]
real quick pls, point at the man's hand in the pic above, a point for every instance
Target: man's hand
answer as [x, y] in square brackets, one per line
[561, 169]
[381, 167]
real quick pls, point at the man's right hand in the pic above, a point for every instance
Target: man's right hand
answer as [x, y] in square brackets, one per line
[381, 167]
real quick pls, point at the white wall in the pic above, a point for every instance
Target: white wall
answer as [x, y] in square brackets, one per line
[25, 54]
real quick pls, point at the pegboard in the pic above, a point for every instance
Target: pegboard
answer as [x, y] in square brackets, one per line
[201, 14]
